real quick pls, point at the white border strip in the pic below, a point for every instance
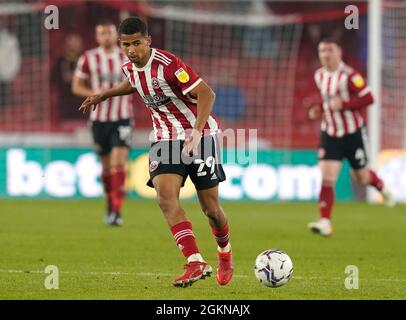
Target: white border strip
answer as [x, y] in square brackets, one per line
[151, 274]
[18, 8]
[224, 18]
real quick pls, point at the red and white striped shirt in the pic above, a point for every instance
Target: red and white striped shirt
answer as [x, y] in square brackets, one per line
[164, 84]
[353, 90]
[103, 71]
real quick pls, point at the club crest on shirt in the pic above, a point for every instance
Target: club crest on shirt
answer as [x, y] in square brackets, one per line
[155, 83]
[153, 165]
[358, 81]
[182, 75]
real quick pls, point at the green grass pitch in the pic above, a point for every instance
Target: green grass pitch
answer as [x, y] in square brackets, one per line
[139, 260]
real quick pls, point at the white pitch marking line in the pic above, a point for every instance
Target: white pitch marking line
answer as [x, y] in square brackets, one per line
[151, 274]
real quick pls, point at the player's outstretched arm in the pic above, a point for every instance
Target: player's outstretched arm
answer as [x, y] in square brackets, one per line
[121, 89]
[205, 100]
[80, 87]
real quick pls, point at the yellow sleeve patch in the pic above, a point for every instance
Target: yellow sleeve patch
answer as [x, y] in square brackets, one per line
[358, 81]
[182, 75]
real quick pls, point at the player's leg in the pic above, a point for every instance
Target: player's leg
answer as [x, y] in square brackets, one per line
[168, 187]
[119, 140]
[358, 159]
[107, 181]
[330, 159]
[118, 161]
[206, 172]
[210, 204]
[100, 132]
[329, 173]
[368, 177]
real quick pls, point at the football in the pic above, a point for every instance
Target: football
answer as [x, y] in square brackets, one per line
[273, 268]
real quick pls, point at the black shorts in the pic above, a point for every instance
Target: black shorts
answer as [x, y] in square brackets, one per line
[107, 135]
[205, 169]
[351, 147]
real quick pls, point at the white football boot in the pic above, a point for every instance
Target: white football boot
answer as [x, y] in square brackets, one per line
[322, 227]
[388, 198]
[113, 219]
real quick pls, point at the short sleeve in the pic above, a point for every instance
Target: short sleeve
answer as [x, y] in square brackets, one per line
[82, 67]
[357, 84]
[178, 73]
[128, 72]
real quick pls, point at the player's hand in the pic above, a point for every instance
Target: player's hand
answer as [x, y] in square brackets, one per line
[91, 102]
[336, 104]
[315, 112]
[191, 143]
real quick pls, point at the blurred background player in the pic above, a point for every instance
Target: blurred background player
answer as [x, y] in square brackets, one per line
[62, 76]
[111, 125]
[180, 103]
[343, 133]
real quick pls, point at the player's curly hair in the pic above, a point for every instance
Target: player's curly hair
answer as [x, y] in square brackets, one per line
[133, 25]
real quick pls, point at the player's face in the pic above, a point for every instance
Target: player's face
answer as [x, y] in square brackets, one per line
[329, 55]
[106, 35]
[136, 47]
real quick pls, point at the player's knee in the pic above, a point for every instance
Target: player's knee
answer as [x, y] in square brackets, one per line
[213, 211]
[122, 160]
[118, 164]
[167, 203]
[363, 179]
[119, 156]
[328, 182]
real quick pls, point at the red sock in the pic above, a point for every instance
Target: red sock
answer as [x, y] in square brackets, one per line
[119, 187]
[326, 200]
[185, 239]
[106, 178]
[375, 181]
[222, 235]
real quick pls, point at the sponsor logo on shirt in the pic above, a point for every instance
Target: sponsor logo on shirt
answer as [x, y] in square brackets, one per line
[111, 77]
[182, 75]
[156, 100]
[358, 81]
